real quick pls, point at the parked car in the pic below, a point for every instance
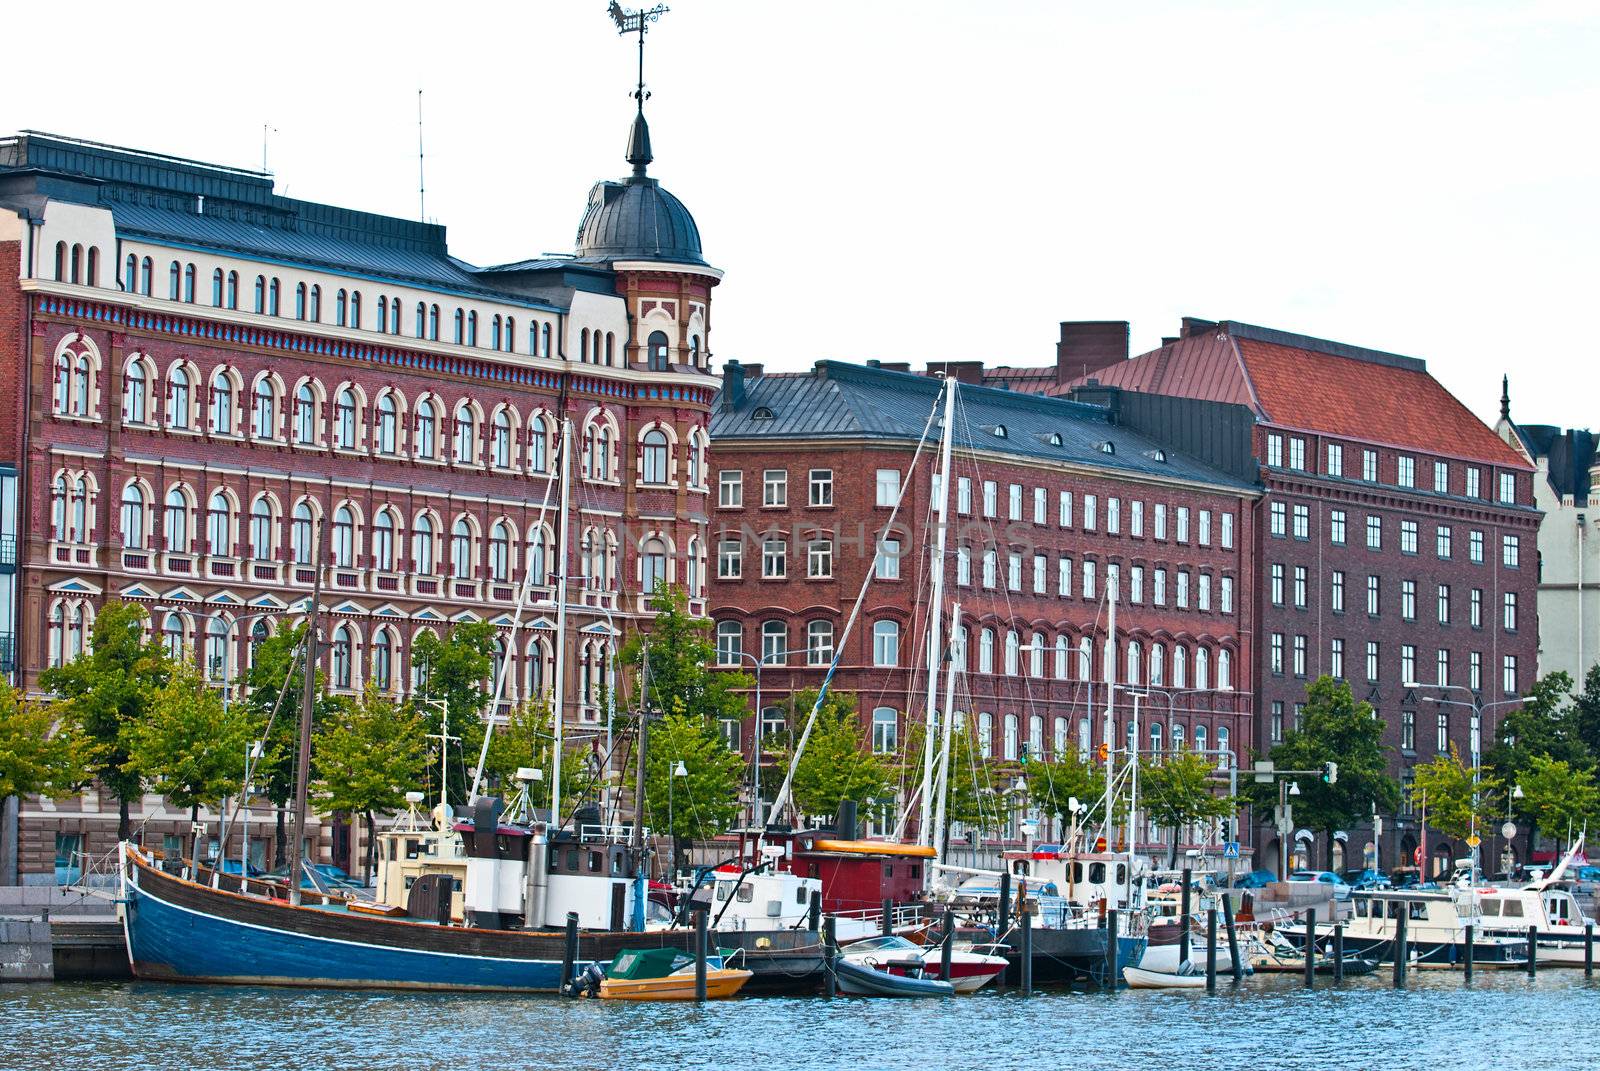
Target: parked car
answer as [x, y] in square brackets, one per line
[1256, 879]
[1339, 888]
[1367, 879]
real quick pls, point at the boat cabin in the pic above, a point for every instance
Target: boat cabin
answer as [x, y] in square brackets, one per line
[410, 851]
[1092, 882]
[852, 875]
[762, 899]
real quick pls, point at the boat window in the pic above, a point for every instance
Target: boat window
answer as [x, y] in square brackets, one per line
[616, 864]
[455, 884]
[572, 860]
[1122, 873]
[1491, 907]
[1359, 909]
[722, 890]
[888, 871]
[413, 848]
[1419, 911]
[800, 896]
[1097, 873]
[1513, 909]
[595, 865]
[916, 870]
[746, 894]
[1077, 871]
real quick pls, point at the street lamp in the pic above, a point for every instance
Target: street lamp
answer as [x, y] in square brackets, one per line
[678, 770]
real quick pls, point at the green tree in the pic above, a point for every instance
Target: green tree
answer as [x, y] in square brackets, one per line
[1336, 728]
[1586, 707]
[1444, 786]
[188, 746]
[1053, 785]
[970, 797]
[107, 690]
[837, 764]
[38, 754]
[680, 652]
[527, 739]
[456, 670]
[276, 668]
[1547, 724]
[702, 802]
[1177, 791]
[367, 756]
[1558, 797]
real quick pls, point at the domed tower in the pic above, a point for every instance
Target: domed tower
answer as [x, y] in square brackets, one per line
[649, 239]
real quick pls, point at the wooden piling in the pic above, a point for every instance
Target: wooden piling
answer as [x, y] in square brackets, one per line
[888, 917]
[1471, 952]
[700, 955]
[569, 954]
[1311, 948]
[1211, 950]
[830, 949]
[814, 912]
[1533, 951]
[1233, 939]
[1338, 951]
[946, 943]
[1588, 949]
[1027, 950]
[1112, 977]
[1183, 919]
[1400, 951]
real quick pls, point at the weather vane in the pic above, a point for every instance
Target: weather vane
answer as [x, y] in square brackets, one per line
[637, 22]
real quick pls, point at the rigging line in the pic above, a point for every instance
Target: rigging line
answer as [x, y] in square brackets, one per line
[788, 781]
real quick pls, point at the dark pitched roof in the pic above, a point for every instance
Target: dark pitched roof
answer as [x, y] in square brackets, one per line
[1571, 454]
[845, 401]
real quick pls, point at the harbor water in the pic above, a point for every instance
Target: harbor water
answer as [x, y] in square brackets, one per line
[1501, 1020]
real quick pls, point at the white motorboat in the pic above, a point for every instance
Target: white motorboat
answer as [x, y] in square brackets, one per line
[1546, 904]
[1138, 978]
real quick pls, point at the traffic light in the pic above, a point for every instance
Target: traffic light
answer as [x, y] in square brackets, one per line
[1025, 751]
[1330, 772]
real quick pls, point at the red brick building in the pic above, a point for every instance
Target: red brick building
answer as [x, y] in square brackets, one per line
[1395, 539]
[1053, 503]
[204, 380]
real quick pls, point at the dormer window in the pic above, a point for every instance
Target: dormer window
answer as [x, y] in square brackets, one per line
[1055, 438]
[997, 430]
[1108, 447]
[1157, 454]
[761, 412]
[657, 347]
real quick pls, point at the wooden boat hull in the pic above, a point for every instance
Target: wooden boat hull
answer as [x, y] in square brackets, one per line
[720, 984]
[860, 981]
[1142, 979]
[179, 930]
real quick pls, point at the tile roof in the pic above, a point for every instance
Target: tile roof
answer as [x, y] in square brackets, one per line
[838, 400]
[1317, 385]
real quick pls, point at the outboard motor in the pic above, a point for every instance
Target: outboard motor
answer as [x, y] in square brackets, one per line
[587, 984]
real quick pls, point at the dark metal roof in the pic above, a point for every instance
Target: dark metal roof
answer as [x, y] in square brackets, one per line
[837, 400]
[636, 219]
[1571, 454]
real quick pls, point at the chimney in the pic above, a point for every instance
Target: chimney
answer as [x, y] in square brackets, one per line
[1088, 346]
[1193, 325]
[895, 366]
[753, 371]
[1108, 398]
[964, 371]
[732, 385]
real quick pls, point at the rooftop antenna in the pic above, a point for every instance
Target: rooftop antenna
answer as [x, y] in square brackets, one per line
[266, 129]
[422, 187]
[637, 22]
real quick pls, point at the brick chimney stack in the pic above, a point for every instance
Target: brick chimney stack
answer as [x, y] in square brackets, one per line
[1089, 345]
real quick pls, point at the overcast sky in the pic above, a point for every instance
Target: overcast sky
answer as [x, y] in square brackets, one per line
[932, 180]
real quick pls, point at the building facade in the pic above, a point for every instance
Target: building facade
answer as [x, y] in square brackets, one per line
[1567, 473]
[1052, 507]
[217, 390]
[1396, 543]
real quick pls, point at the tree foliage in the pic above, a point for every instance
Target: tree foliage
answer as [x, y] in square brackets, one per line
[1336, 728]
[188, 746]
[1444, 787]
[837, 764]
[527, 739]
[38, 754]
[367, 755]
[1548, 724]
[1176, 790]
[705, 800]
[680, 652]
[1053, 785]
[108, 689]
[456, 671]
[1559, 798]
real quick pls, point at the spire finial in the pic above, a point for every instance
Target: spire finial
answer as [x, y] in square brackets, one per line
[1505, 397]
[638, 22]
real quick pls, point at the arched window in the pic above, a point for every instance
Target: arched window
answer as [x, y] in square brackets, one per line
[535, 675]
[1036, 655]
[216, 288]
[58, 509]
[985, 734]
[261, 529]
[422, 545]
[341, 308]
[422, 319]
[274, 296]
[344, 419]
[342, 650]
[233, 290]
[146, 270]
[394, 316]
[188, 283]
[538, 445]
[217, 649]
[175, 525]
[1225, 757]
[221, 403]
[316, 304]
[219, 526]
[652, 566]
[383, 312]
[1133, 662]
[691, 566]
[1011, 737]
[697, 455]
[774, 643]
[93, 275]
[426, 441]
[178, 397]
[264, 412]
[261, 294]
[1201, 668]
[1158, 665]
[885, 730]
[1200, 738]
[494, 332]
[135, 397]
[611, 346]
[1155, 738]
[464, 435]
[538, 548]
[344, 538]
[1177, 737]
[64, 384]
[80, 398]
[355, 309]
[655, 456]
[382, 660]
[597, 452]
[461, 548]
[388, 421]
[1224, 672]
[694, 350]
[383, 541]
[472, 328]
[461, 329]
[502, 439]
[657, 346]
[300, 301]
[130, 274]
[305, 415]
[885, 643]
[433, 323]
[132, 524]
[172, 636]
[79, 530]
[583, 346]
[174, 277]
[500, 552]
[819, 643]
[1180, 667]
[301, 534]
[61, 263]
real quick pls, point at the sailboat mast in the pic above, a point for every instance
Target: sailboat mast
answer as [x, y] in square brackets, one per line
[1111, 701]
[935, 605]
[942, 790]
[561, 623]
[302, 766]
